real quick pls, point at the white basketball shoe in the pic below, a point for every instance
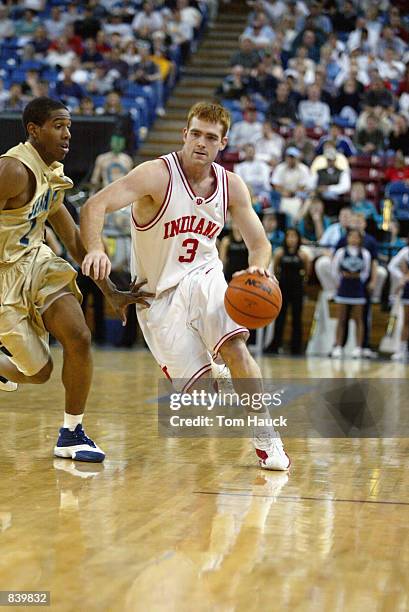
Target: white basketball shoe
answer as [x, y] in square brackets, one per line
[7, 385]
[270, 452]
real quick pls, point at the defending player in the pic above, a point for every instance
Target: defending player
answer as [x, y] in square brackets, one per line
[180, 203]
[38, 292]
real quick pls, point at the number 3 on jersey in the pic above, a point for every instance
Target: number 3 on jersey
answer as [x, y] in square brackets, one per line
[191, 245]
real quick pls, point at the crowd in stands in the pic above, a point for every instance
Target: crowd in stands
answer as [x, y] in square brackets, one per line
[117, 57]
[319, 96]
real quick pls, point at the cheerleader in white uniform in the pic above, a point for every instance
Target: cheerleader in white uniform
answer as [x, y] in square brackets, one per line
[399, 268]
[351, 267]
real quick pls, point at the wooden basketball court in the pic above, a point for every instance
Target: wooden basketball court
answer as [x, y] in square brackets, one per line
[193, 524]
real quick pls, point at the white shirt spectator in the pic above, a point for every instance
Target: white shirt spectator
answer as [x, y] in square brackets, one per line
[256, 174]
[261, 38]
[179, 32]
[354, 40]
[269, 148]
[124, 29]
[153, 21]
[54, 28]
[332, 235]
[191, 16]
[6, 24]
[393, 70]
[245, 132]
[292, 179]
[64, 59]
[314, 114]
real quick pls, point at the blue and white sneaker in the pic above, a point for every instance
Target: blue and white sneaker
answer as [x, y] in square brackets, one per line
[76, 445]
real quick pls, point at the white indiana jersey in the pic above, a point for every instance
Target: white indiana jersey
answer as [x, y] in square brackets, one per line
[182, 235]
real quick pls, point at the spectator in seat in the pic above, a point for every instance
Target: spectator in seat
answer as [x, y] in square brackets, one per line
[347, 104]
[304, 144]
[146, 72]
[116, 25]
[292, 180]
[360, 203]
[91, 56]
[269, 148]
[390, 67]
[312, 40]
[344, 19]
[190, 14]
[321, 161]
[40, 41]
[67, 88]
[247, 131]
[332, 182]
[255, 173]
[342, 143]
[282, 109]
[147, 17]
[7, 25]
[181, 33]
[313, 221]
[334, 232]
[73, 40]
[61, 56]
[389, 40]
[270, 224]
[55, 24]
[86, 107]
[312, 112]
[247, 55]
[377, 97]
[370, 139]
[31, 83]
[88, 25]
[26, 26]
[261, 34]
[16, 101]
[262, 82]
[399, 137]
[399, 171]
[234, 85]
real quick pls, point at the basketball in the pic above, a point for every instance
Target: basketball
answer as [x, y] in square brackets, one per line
[252, 300]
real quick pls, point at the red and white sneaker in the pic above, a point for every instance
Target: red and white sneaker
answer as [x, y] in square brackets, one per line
[270, 452]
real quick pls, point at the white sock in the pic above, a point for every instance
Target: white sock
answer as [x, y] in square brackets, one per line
[72, 420]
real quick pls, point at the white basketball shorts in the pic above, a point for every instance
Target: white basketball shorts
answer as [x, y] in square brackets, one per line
[185, 326]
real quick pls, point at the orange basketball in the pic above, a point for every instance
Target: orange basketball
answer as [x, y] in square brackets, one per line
[253, 300]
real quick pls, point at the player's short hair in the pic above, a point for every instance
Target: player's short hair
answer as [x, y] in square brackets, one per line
[39, 110]
[211, 112]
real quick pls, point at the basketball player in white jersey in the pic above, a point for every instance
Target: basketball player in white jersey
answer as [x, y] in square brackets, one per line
[38, 292]
[180, 203]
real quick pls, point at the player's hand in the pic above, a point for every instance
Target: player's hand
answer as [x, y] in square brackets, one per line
[97, 265]
[257, 270]
[120, 300]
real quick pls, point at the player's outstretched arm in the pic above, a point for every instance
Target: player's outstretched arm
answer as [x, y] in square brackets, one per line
[249, 225]
[143, 181]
